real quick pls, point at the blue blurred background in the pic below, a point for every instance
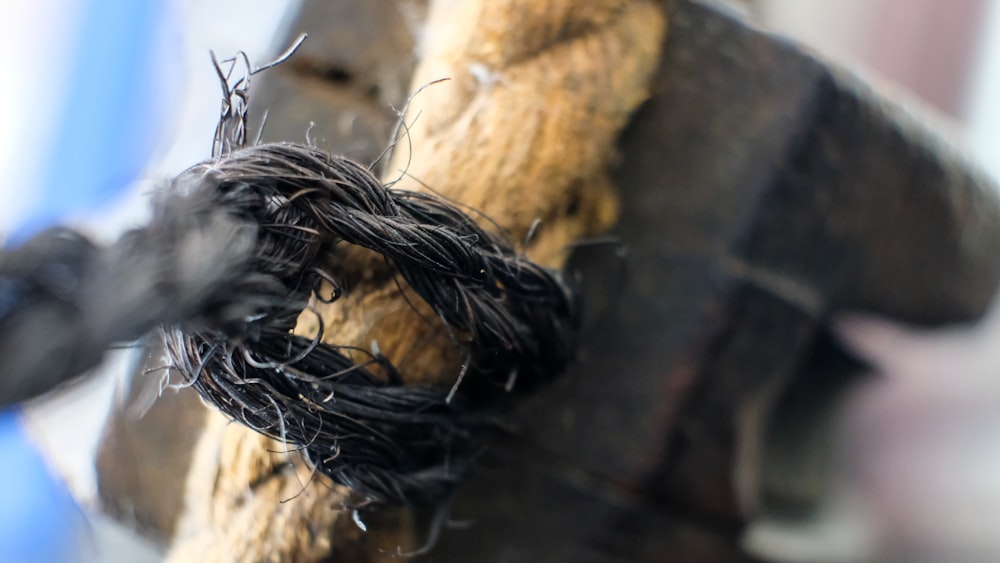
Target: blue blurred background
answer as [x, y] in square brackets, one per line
[101, 100]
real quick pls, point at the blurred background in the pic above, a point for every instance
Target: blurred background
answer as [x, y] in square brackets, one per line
[944, 55]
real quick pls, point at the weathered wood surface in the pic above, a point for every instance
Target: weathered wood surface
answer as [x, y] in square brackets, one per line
[760, 192]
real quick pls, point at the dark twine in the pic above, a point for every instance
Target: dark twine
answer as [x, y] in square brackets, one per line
[388, 441]
[367, 429]
[235, 250]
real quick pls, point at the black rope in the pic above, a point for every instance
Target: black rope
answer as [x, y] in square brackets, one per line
[64, 300]
[364, 427]
[236, 248]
